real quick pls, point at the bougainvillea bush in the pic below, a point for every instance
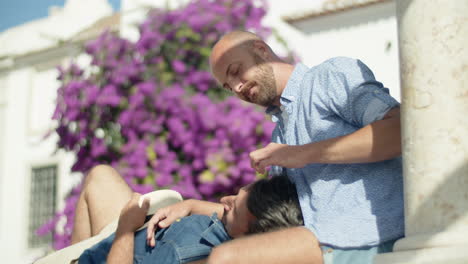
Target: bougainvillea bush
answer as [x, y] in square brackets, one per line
[151, 109]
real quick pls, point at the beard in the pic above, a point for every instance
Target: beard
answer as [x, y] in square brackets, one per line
[265, 83]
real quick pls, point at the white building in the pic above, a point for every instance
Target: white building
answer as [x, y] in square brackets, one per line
[33, 177]
[364, 29]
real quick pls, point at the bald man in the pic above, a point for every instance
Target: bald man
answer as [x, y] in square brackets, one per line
[337, 136]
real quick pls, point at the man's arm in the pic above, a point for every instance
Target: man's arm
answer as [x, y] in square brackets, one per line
[295, 245]
[378, 141]
[131, 218]
[164, 217]
[122, 248]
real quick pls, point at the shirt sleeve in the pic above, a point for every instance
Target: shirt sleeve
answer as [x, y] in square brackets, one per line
[352, 92]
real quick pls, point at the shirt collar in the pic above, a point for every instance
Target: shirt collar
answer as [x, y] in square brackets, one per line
[290, 91]
[215, 234]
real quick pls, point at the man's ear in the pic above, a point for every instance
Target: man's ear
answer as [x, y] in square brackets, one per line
[261, 49]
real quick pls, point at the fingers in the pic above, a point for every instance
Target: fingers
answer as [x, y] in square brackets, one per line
[170, 218]
[151, 229]
[272, 154]
[261, 166]
[164, 217]
[162, 220]
[255, 159]
[258, 161]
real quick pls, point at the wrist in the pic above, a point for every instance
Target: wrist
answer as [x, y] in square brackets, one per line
[123, 228]
[307, 154]
[190, 204]
[124, 232]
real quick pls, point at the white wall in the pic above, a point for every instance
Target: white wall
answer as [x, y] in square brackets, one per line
[42, 151]
[25, 118]
[3, 83]
[368, 33]
[349, 34]
[14, 172]
[28, 88]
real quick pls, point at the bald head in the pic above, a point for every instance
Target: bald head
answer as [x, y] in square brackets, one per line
[243, 63]
[237, 43]
[239, 37]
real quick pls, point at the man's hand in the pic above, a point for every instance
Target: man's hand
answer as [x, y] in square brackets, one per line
[164, 217]
[279, 155]
[132, 216]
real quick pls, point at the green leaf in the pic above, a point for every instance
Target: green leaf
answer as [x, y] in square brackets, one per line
[207, 176]
[205, 51]
[150, 153]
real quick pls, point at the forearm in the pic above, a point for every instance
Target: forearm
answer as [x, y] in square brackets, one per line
[122, 248]
[287, 246]
[205, 208]
[378, 141]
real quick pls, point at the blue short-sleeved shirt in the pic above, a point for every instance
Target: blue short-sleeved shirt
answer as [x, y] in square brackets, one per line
[192, 238]
[345, 205]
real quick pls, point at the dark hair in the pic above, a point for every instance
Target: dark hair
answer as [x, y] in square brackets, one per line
[274, 204]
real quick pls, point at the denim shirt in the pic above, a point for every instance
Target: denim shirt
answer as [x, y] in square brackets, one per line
[345, 205]
[188, 239]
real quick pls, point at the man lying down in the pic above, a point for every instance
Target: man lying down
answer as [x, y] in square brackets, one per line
[263, 206]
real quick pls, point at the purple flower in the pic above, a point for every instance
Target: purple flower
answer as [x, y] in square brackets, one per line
[178, 66]
[92, 93]
[109, 96]
[147, 88]
[143, 107]
[98, 147]
[137, 99]
[164, 179]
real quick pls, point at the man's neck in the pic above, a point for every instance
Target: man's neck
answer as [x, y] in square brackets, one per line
[282, 72]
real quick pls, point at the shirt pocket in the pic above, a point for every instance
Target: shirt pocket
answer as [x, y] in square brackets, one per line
[193, 253]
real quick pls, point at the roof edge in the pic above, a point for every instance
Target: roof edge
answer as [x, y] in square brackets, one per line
[330, 9]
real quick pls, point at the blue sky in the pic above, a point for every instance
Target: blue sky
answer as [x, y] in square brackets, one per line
[16, 12]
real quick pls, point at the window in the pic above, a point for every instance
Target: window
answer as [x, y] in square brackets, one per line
[41, 203]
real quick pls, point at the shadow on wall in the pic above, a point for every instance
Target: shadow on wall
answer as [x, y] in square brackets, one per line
[345, 19]
[446, 205]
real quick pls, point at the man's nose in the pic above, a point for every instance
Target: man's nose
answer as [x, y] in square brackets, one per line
[235, 83]
[237, 87]
[227, 200]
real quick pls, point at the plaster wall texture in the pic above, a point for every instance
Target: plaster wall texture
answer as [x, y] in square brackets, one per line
[13, 171]
[433, 37]
[24, 120]
[28, 89]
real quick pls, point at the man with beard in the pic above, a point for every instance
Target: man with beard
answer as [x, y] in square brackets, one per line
[337, 136]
